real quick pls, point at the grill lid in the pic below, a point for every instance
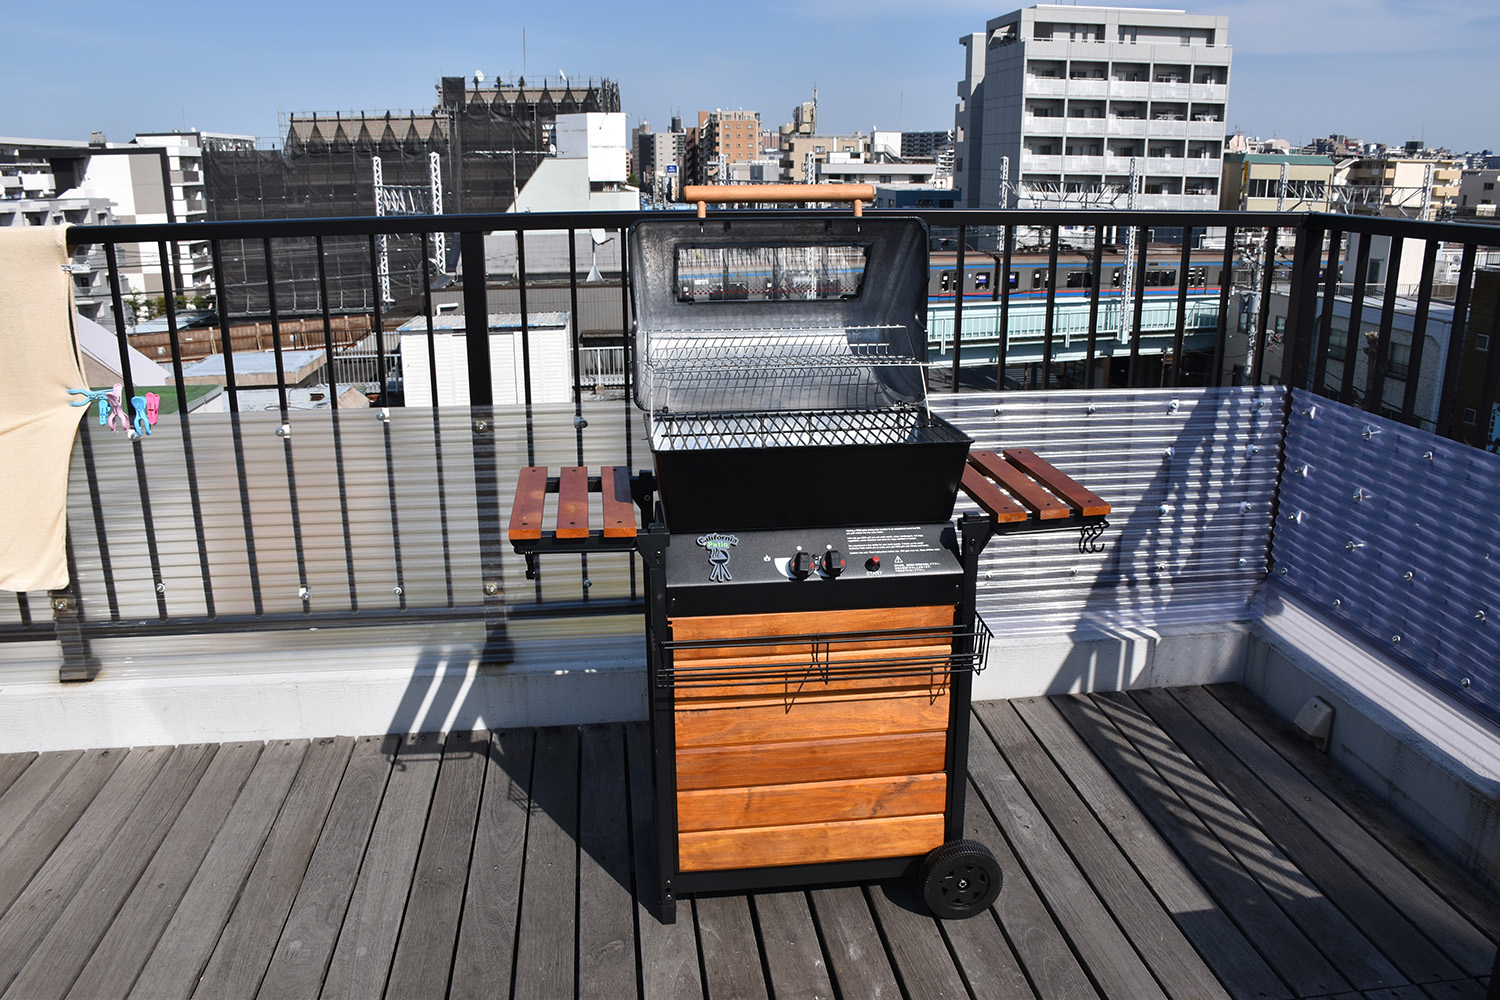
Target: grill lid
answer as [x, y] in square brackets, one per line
[747, 315]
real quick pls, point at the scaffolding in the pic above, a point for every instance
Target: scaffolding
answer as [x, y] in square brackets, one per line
[471, 153]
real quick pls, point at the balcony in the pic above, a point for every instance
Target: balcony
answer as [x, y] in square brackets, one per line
[248, 583]
[1135, 90]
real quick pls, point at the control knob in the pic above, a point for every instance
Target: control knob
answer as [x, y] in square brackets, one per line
[802, 565]
[833, 562]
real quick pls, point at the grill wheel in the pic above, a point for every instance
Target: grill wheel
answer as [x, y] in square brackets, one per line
[959, 879]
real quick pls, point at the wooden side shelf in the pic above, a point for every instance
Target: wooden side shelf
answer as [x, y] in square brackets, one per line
[1021, 491]
[573, 527]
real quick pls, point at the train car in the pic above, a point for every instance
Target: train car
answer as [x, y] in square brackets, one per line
[1029, 276]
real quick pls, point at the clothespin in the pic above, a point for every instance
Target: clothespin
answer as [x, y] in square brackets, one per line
[117, 409]
[153, 407]
[90, 397]
[142, 425]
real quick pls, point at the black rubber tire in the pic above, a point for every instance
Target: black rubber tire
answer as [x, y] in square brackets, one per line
[959, 879]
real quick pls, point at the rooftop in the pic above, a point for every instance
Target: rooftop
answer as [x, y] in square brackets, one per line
[1168, 843]
[227, 796]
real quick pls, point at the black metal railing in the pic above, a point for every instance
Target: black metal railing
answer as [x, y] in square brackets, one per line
[225, 533]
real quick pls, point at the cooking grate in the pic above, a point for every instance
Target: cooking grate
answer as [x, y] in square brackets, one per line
[903, 425]
[787, 369]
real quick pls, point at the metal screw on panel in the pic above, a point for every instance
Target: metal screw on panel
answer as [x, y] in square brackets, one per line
[1164, 509]
[383, 415]
[1407, 576]
[1427, 455]
[1464, 683]
[580, 423]
[1161, 567]
[161, 588]
[1092, 408]
[1168, 453]
[1311, 413]
[1396, 639]
[1338, 602]
[1283, 571]
[1303, 470]
[305, 594]
[1479, 615]
[1244, 561]
[587, 583]
[1255, 449]
[1244, 506]
[285, 430]
[60, 604]
[1353, 544]
[1361, 494]
[396, 591]
[1369, 432]
[1260, 404]
[491, 588]
[1173, 406]
[480, 425]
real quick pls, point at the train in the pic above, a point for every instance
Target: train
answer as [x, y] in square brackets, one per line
[1029, 271]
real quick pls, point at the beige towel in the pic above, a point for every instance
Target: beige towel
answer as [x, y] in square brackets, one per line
[38, 365]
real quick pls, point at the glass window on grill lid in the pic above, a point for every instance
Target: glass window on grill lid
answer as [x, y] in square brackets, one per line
[770, 273]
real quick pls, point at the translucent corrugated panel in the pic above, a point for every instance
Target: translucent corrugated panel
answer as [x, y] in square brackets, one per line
[1191, 475]
[1391, 533]
[224, 516]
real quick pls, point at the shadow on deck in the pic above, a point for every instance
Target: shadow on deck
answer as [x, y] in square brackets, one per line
[1175, 843]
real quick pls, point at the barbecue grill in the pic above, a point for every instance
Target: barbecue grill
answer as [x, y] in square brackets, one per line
[810, 621]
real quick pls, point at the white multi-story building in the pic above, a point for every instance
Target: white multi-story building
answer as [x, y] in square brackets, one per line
[1058, 102]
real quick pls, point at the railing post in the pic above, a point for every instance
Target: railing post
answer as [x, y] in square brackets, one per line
[476, 314]
[1302, 308]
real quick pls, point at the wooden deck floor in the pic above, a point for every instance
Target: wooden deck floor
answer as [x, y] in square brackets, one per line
[1167, 844]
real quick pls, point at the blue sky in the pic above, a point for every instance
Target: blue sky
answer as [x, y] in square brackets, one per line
[1380, 70]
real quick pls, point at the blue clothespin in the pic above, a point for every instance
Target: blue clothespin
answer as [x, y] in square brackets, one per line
[142, 424]
[91, 396]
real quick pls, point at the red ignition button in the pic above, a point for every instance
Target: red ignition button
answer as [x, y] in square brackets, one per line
[873, 564]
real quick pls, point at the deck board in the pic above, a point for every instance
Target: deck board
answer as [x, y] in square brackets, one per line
[367, 940]
[115, 962]
[244, 949]
[606, 917]
[49, 891]
[1173, 843]
[307, 939]
[546, 941]
[1177, 966]
[1223, 946]
[424, 951]
[1304, 969]
[188, 941]
[56, 957]
[487, 935]
[1343, 881]
[1349, 949]
[795, 962]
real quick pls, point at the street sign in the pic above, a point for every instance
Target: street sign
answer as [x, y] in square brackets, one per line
[671, 168]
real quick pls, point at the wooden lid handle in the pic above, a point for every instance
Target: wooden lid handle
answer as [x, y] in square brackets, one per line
[728, 193]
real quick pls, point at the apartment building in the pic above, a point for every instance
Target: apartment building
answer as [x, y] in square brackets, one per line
[1058, 102]
[725, 137]
[1277, 182]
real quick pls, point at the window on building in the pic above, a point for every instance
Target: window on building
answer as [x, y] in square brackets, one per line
[1400, 360]
[1470, 415]
[1338, 343]
[1482, 342]
[1489, 185]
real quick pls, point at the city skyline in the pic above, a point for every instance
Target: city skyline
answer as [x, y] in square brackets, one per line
[1380, 70]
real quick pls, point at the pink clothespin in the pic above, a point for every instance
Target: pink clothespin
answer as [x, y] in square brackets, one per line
[117, 408]
[153, 407]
